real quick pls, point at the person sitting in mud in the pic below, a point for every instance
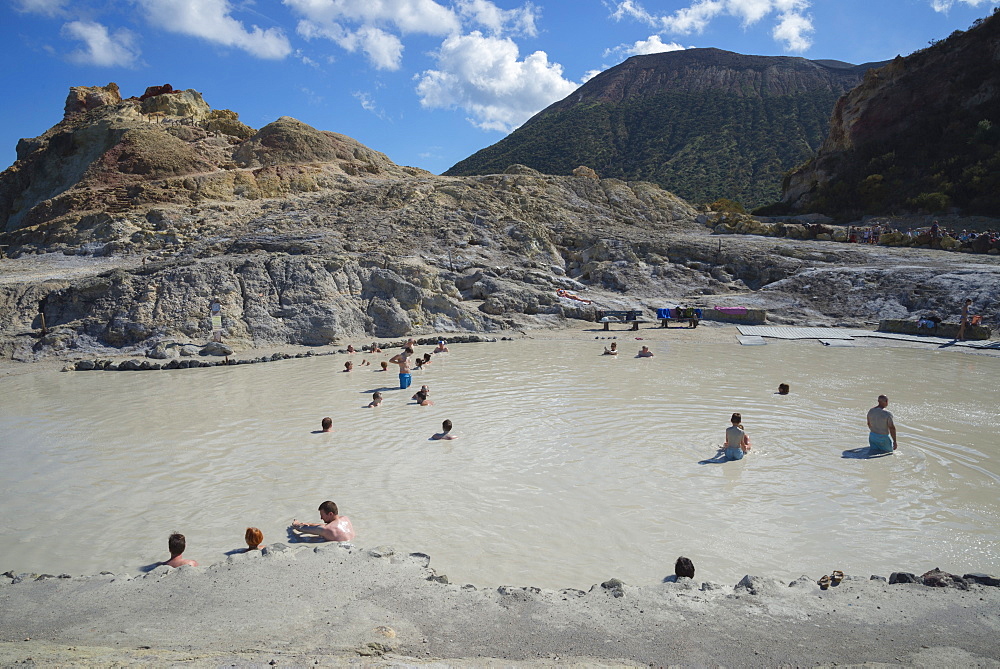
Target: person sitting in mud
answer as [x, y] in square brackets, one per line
[176, 545]
[611, 351]
[421, 396]
[348, 366]
[374, 348]
[333, 528]
[350, 348]
[445, 432]
[737, 442]
[376, 400]
[783, 389]
[384, 365]
[644, 352]
[441, 348]
[254, 538]
[364, 363]
[426, 360]
[327, 424]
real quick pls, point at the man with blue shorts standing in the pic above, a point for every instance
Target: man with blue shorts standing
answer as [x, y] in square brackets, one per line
[403, 360]
[882, 430]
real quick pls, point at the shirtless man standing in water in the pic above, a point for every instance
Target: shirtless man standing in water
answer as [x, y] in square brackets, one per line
[882, 429]
[333, 528]
[403, 360]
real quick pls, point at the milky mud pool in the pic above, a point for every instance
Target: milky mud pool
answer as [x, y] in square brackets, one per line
[571, 467]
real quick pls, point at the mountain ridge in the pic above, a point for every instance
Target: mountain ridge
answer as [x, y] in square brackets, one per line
[701, 123]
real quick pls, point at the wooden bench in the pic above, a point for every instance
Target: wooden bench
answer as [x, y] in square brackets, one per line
[609, 317]
[674, 315]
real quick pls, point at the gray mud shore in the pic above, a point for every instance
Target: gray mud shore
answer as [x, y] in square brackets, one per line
[340, 604]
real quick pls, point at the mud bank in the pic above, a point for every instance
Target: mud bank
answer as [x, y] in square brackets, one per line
[334, 605]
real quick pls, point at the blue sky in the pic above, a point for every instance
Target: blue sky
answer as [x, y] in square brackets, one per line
[427, 82]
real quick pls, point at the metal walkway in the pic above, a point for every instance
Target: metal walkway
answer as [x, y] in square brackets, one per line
[791, 332]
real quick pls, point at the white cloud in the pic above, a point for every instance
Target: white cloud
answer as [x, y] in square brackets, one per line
[376, 27]
[211, 20]
[792, 24]
[519, 21]
[590, 74]
[101, 47]
[644, 46]
[47, 7]
[368, 104]
[794, 30]
[406, 16]
[945, 5]
[483, 76]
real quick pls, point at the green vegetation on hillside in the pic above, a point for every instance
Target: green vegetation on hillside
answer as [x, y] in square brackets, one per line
[701, 146]
[941, 152]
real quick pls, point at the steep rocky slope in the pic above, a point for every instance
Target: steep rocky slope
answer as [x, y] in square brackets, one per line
[307, 237]
[922, 133]
[702, 123]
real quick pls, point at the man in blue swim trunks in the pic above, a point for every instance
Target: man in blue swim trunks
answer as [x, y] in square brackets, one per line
[403, 360]
[882, 436]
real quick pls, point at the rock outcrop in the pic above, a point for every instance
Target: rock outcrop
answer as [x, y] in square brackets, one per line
[305, 236]
[921, 133]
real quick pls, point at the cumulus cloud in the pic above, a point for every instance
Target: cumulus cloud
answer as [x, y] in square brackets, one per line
[484, 76]
[376, 27]
[642, 47]
[46, 7]
[101, 47]
[793, 25]
[519, 21]
[407, 16]
[212, 20]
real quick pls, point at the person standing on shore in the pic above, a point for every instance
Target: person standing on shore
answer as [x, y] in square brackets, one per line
[333, 528]
[964, 320]
[882, 429]
[403, 360]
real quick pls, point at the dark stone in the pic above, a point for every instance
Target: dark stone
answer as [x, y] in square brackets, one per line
[902, 577]
[983, 579]
[274, 548]
[936, 578]
[155, 366]
[145, 365]
[615, 586]
[440, 579]
[877, 578]
[84, 365]
[130, 365]
[111, 367]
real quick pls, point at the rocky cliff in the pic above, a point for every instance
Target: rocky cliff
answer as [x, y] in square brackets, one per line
[702, 123]
[921, 133]
[125, 225]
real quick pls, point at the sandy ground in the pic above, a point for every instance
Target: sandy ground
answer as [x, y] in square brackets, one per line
[340, 605]
[336, 605]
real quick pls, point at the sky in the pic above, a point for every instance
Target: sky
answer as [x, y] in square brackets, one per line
[427, 82]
